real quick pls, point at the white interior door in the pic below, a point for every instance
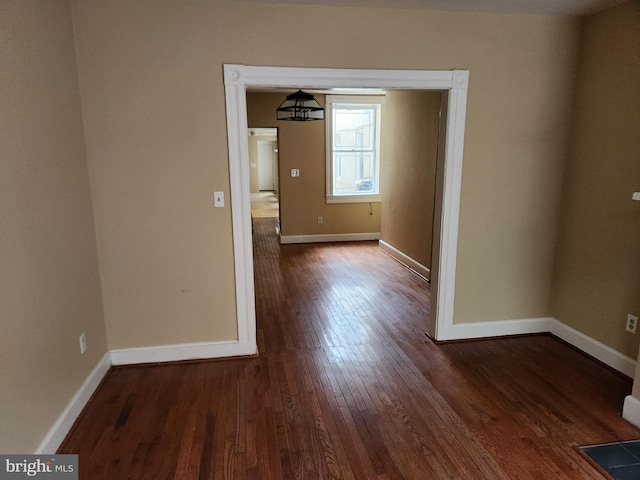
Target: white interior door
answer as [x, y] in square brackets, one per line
[266, 165]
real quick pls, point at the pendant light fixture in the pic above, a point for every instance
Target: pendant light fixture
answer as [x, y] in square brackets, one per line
[300, 107]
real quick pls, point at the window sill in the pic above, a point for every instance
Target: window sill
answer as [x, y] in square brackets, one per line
[354, 198]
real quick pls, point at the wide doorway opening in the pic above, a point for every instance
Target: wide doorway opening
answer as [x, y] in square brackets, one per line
[453, 84]
[264, 175]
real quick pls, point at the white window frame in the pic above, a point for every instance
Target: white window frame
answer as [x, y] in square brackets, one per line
[330, 100]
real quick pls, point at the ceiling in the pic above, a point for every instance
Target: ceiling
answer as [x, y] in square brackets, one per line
[540, 7]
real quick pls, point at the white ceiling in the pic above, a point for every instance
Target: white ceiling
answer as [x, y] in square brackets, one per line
[541, 7]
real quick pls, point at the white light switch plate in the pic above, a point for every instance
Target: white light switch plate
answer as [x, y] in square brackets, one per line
[218, 199]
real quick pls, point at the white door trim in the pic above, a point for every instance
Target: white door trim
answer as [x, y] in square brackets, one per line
[238, 77]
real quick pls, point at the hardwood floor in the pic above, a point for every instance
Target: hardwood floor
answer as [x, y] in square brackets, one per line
[348, 386]
[265, 205]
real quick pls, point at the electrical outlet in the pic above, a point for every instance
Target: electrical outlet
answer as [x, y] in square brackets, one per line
[632, 324]
[319, 219]
[83, 343]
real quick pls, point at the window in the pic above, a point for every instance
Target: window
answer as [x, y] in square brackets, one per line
[353, 148]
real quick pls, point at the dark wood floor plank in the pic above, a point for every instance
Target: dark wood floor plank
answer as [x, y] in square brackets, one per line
[347, 386]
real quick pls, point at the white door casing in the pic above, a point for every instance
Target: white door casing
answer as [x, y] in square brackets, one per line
[237, 78]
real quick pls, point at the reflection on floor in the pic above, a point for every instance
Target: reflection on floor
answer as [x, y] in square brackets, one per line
[347, 385]
[620, 460]
[265, 205]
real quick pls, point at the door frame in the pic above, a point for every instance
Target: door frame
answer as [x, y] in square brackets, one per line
[237, 78]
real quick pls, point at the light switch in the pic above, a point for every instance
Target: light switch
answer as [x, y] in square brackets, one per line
[218, 199]
[295, 172]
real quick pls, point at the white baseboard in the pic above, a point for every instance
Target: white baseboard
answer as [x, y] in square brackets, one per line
[605, 354]
[130, 356]
[172, 353]
[65, 421]
[330, 237]
[185, 351]
[631, 410]
[405, 259]
[463, 331]
[588, 345]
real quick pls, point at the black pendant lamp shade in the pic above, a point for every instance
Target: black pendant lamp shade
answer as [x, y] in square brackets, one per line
[300, 107]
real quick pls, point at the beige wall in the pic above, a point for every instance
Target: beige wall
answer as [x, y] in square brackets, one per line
[597, 281]
[153, 99]
[154, 121]
[303, 199]
[410, 136]
[49, 277]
